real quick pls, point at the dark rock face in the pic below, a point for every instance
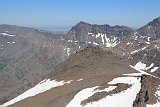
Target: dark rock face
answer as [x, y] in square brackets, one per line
[146, 94]
[151, 30]
[102, 35]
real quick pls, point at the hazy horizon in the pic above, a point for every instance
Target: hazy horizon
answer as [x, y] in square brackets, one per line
[64, 13]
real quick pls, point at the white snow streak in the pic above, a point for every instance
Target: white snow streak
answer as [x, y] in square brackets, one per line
[148, 39]
[39, 88]
[94, 43]
[6, 34]
[102, 37]
[154, 69]
[98, 35]
[89, 33]
[138, 50]
[68, 50]
[9, 42]
[80, 80]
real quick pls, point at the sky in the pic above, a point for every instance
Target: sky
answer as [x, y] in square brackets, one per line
[46, 13]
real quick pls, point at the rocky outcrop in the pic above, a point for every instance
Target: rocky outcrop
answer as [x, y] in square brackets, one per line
[146, 95]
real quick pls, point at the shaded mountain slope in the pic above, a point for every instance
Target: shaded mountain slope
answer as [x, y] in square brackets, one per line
[143, 47]
[26, 55]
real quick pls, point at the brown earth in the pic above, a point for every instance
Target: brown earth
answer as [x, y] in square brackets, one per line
[94, 65]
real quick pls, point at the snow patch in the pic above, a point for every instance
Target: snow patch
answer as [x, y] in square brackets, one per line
[122, 99]
[94, 43]
[149, 27]
[149, 66]
[80, 80]
[128, 43]
[142, 67]
[135, 33]
[138, 50]
[84, 94]
[68, 50]
[156, 46]
[108, 42]
[6, 34]
[154, 69]
[147, 43]
[89, 42]
[139, 67]
[148, 39]
[89, 33]
[102, 37]
[70, 41]
[43, 86]
[98, 35]
[111, 42]
[9, 42]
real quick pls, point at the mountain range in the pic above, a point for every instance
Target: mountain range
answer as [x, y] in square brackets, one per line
[99, 60]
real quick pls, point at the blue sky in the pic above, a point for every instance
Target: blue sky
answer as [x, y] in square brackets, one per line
[133, 13]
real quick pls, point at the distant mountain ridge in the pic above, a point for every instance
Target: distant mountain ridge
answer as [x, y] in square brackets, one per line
[103, 35]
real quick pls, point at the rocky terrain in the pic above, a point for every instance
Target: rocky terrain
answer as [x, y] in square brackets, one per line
[142, 47]
[28, 55]
[87, 68]
[147, 94]
[92, 77]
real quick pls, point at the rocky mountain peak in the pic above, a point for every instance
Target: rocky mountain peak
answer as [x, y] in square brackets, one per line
[155, 22]
[83, 23]
[81, 27]
[101, 35]
[150, 31]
